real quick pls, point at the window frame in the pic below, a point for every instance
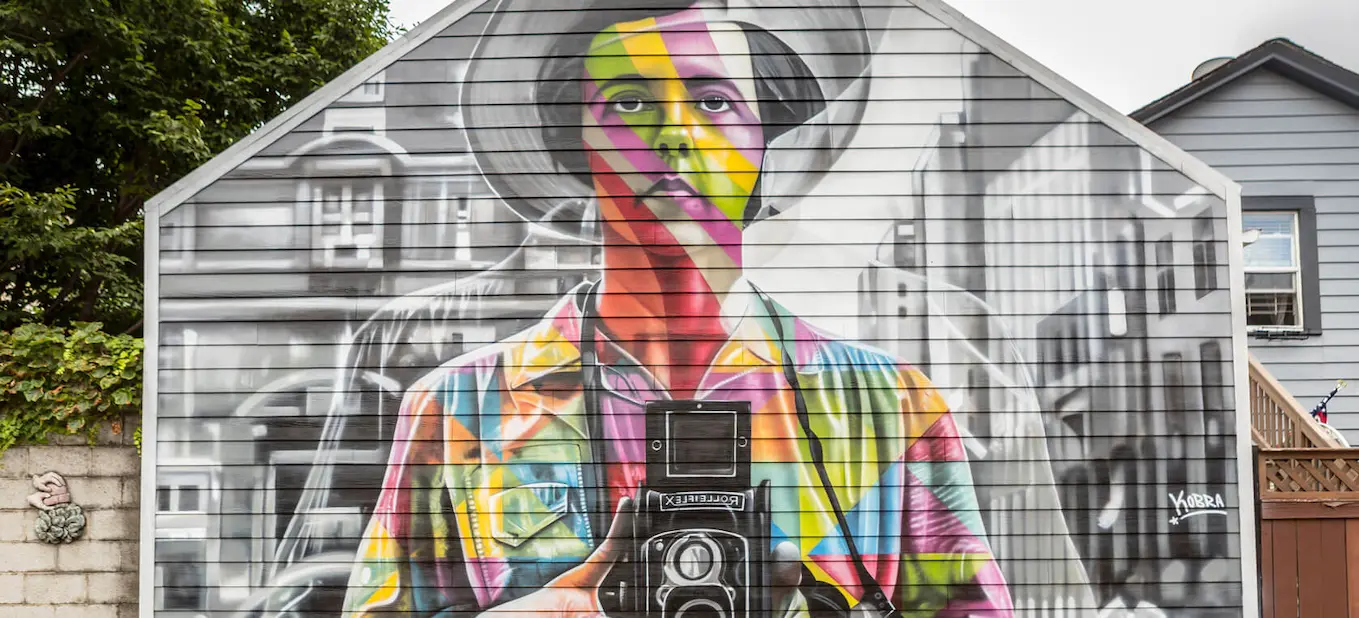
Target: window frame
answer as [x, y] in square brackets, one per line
[1204, 255]
[1289, 220]
[1305, 247]
[1166, 301]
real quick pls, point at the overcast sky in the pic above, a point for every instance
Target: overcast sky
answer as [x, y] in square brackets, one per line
[1130, 53]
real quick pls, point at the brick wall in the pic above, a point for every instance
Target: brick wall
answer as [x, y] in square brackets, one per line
[94, 577]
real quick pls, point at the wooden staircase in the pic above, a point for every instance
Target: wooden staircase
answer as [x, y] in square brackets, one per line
[1299, 460]
[1277, 420]
[1308, 508]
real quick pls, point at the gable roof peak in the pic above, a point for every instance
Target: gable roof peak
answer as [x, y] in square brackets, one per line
[189, 185]
[1280, 55]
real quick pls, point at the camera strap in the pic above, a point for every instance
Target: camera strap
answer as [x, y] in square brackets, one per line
[875, 602]
[592, 385]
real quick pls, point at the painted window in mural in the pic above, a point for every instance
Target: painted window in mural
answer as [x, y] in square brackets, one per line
[676, 308]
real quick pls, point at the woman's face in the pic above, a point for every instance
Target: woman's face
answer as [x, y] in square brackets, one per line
[673, 131]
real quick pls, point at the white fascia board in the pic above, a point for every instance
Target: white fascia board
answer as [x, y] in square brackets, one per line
[1158, 146]
[146, 550]
[1245, 456]
[210, 172]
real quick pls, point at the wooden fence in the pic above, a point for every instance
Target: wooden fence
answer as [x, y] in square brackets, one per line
[1309, 532]
[1314, 474]
[1309, 560]
[1308, 489]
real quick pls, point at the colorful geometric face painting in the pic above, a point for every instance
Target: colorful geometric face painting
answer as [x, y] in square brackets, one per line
[677, 308]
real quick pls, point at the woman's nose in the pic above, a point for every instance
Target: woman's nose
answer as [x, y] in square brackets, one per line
[676, 137]
[675, 141]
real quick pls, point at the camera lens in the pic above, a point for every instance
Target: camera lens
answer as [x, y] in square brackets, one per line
[695, 561]
[701, 608]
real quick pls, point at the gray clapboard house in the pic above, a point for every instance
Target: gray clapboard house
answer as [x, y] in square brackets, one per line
[1284, 123]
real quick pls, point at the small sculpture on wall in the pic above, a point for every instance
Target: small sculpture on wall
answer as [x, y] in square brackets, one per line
[60, 520]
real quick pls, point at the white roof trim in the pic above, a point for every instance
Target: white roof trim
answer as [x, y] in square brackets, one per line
[212, 171]
[219, 166]
[1158, 146]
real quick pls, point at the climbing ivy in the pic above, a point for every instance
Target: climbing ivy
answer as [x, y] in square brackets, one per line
[65, 381]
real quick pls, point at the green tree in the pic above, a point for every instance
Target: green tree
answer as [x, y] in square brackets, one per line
[103, 103]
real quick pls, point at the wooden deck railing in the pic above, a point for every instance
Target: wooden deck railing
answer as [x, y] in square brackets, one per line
[1308, 508]
[1277, 420]
[1309, 474]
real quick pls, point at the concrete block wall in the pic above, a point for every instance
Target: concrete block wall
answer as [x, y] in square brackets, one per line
[95, 576]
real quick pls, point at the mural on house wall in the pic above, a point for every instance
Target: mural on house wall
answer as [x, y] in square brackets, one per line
[678, 308]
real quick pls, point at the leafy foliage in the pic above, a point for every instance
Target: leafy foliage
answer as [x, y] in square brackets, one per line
[65, 381]
[103, 104]
[47, 258]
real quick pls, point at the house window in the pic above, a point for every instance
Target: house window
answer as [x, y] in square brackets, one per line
[174, 234]
[1272, 271]
[346, 221]
[1165, 275]
[371, 91]
[177, 230]
[1217, 427]
[185, 494]
[462, 237]
[179, 499]
[437, 223]
[181, 580]
[1213, 383]
[1172, 373]
[1174, 447]
[1282, 286]
[906, 245]
[1205, 257]
[425, 228]
[355, 120]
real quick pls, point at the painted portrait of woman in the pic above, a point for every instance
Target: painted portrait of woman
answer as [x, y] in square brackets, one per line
[683, 125]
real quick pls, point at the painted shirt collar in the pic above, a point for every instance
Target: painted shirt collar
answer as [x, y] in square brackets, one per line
[553, 345]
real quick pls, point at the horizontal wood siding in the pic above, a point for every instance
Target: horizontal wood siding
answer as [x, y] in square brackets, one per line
[1012, 336]
[1277, 137]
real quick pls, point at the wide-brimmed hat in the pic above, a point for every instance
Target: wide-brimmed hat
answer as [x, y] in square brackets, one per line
[505, 126]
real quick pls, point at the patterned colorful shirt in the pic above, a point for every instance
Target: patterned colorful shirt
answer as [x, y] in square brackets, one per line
[487, 494]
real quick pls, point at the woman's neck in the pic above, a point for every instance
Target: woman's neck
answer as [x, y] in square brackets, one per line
[665, 308]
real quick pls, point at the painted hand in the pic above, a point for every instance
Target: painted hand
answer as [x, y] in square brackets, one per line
[575, 593]
[785, 577]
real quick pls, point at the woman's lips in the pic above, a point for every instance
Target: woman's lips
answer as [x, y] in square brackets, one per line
[670, 186]
[672, 199]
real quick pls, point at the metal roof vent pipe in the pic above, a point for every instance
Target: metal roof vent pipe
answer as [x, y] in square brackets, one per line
[1210, 66]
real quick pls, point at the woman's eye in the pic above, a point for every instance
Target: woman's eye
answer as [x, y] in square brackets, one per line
[628, 105]
[714, 104]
